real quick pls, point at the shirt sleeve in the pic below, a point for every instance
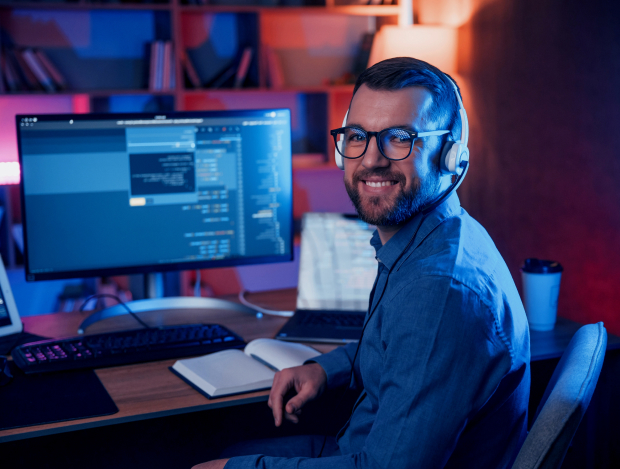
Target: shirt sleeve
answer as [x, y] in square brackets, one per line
[444, 356]
[337, 365]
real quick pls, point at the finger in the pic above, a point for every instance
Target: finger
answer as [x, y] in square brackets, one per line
[276, 396]
[291, 418]
[295, 404]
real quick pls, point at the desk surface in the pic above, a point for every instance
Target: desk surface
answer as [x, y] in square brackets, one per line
[150, 390]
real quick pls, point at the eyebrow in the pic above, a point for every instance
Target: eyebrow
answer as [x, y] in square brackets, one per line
[405, 126]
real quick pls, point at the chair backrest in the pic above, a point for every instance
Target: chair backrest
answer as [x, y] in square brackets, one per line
[565, 400]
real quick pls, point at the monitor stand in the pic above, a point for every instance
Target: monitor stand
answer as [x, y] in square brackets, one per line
[174, 303]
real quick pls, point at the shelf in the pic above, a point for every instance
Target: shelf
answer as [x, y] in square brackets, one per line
[83, 6]
[93, 93]
[303, 89]
[355, 10]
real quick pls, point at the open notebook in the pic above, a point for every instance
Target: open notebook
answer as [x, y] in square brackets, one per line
[337, 268]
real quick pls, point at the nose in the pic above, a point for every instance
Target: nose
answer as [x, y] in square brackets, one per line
[373, 157]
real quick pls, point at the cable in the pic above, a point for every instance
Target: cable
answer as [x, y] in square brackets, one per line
[286, 314]
[119, 301]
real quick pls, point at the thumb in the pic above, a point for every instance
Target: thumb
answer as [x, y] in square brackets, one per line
[298, 401]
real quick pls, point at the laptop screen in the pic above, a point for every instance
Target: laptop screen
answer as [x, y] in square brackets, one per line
[337, 265]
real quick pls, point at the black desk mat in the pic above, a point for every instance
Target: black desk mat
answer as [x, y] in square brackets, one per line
[52, 397]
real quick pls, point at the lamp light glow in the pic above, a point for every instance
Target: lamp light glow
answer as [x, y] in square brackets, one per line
[436, 45]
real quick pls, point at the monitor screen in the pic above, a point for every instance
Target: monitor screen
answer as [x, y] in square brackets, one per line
[136, 193]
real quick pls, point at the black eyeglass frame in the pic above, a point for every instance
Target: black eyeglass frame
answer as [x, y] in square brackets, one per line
[340, 131]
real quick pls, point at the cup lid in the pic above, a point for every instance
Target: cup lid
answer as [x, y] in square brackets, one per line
[540, 266]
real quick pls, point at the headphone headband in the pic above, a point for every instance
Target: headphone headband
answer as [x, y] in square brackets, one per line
[462, 113]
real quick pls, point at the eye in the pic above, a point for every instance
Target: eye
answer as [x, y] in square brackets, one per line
[354, 135]
[398, 137]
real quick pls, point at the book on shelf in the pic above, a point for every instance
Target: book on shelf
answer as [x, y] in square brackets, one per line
[32, 61]
[190, 71]
[159, 69]
[172, 71]
[29, 69]
[156, 66]
[25, 73]
[275, 74]
[235, 74]
[161, 66]
[243, 67]
[167, 66]
[152, 61]
[9, 73]
[53, 72]
[234, 371]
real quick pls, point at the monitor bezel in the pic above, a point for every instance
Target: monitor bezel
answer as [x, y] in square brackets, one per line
[148, 268]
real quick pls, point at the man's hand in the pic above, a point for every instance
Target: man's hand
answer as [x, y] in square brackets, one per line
[307, 380]
[217, 464]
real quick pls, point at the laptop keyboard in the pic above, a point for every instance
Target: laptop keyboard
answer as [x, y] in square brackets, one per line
[333, 319]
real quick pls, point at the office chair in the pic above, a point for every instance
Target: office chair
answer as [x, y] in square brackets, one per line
[565, 400]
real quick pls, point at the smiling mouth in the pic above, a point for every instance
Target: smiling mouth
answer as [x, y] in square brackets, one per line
[380, 183]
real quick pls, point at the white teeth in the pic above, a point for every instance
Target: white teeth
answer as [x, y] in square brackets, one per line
[378, 184]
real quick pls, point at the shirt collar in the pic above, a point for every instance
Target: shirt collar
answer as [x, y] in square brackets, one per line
[391, 251]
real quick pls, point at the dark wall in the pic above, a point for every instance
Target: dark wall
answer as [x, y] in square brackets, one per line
[541, 82]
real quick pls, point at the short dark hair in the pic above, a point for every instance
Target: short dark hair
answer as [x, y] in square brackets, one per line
[404, 72]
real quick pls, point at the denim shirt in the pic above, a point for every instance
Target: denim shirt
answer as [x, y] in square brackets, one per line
[443, 365]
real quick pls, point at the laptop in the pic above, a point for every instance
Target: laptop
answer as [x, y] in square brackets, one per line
[337, 269]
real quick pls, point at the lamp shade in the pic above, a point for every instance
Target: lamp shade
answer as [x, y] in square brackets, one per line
[436, 45]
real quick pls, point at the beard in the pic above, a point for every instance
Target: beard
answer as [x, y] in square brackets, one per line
[382, 211]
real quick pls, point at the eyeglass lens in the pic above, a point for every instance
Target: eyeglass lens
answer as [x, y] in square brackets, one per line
[395, 144]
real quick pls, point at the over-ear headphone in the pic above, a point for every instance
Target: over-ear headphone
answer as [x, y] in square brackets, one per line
[453, 154]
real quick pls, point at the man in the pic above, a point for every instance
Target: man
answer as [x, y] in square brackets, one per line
[443, 364]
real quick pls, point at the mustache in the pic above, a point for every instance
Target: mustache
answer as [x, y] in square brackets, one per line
[363, 174]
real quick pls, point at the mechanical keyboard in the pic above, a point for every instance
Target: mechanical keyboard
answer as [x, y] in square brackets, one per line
[121, 348]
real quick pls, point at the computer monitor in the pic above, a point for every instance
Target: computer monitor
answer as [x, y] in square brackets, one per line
[114, 194]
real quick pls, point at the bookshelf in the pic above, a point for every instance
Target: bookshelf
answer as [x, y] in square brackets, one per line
[101, 49]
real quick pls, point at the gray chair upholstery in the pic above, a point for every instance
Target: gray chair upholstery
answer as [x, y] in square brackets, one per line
[565, 400]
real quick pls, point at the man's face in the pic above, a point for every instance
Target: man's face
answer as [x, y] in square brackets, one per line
[387, 192]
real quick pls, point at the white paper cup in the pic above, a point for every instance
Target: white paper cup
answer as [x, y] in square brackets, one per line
[541, 288]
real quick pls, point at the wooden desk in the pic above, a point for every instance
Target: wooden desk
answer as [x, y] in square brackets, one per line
[150, 391]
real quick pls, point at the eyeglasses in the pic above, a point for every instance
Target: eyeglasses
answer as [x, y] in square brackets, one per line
[394, 143]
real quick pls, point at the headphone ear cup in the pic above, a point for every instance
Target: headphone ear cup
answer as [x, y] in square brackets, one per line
[338, 157]
[448, 154]
[451, 156]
